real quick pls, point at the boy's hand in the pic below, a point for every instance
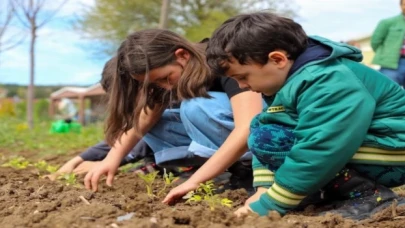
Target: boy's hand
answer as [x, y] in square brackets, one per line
[242, 211]
[179, 191]
[106, 167]
[256, 196]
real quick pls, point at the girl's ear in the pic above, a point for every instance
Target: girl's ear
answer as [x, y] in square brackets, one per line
[182, 56]
[278, 58]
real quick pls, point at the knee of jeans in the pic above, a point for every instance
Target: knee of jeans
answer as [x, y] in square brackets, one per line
[192, 111]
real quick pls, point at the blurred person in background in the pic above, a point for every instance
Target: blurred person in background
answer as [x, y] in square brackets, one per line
[388, 42]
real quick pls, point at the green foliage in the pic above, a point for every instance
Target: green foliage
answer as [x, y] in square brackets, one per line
[15, 137]
[17, 163]
[205, 193]
[41, 108]
[69, 179]
[7, 108]
[149, 179]
[44, 168]
[168, 180]
[126, 168]
[110, 21]
[41, 92]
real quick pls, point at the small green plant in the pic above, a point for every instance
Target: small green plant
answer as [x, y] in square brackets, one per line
[52, 168]
[168, 180]
[17, 163]
[44, 168]
[128, 167]
[149, 179]
[205, 193]
[68, 178]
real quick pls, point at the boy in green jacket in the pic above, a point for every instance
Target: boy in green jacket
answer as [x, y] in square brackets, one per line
[334, 129]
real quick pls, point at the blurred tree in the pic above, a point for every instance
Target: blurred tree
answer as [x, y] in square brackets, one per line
[33, 16]
[41, 108]
[7, 108]
[108, 22]
[22, 92]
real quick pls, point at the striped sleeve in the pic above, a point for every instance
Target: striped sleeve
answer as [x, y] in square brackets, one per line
[277, 199]
[262, 176]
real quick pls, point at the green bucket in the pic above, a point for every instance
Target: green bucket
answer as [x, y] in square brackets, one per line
[61, 126]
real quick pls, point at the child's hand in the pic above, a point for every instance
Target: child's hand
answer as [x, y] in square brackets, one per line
[256, 196]
[85, 167]
[106, 167]
[242, 211]
[68, 167]
[179, 191]
[52, 176]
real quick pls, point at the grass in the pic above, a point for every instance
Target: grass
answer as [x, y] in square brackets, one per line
[15, 137]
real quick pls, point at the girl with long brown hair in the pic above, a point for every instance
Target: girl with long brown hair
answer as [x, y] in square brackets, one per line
[163, 92]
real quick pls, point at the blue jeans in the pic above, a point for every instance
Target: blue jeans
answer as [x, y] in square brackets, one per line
[196, 130]
[397, 75]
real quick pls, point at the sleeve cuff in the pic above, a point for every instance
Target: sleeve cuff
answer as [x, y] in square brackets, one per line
[262, 177]
[276, 199]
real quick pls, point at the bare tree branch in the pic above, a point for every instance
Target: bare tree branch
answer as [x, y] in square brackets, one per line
[20, 41]
[20, 5]
[53, 14]
[31, 12]
[9, 16]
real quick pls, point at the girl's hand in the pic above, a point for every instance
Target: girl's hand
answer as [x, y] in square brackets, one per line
[68, 167]
[179, 191]
[85, 167]
[106, 167]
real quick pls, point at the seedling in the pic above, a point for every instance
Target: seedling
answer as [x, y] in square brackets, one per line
[43, 167]
[52, 168]
[128, 167]
[68, 178]
[17, 163]
[149, 179]
[168, 180]
[205, 193]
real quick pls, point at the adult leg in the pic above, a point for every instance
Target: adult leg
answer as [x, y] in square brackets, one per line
[393, 75]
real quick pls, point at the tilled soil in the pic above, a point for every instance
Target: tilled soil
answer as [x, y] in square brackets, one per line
[26, 200]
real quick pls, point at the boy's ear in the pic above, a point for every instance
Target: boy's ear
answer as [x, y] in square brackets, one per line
[278, 57]
[182, 56]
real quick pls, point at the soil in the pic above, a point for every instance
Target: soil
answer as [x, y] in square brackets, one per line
[26, 200]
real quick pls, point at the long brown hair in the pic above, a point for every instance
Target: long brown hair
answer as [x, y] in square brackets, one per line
[140, 53]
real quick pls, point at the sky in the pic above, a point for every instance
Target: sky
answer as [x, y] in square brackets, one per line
[64, 57]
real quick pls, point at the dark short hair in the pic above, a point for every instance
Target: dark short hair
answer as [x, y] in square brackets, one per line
[110, 67]
[251, 37]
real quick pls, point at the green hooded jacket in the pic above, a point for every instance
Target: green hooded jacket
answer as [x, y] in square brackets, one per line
[342, 112]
